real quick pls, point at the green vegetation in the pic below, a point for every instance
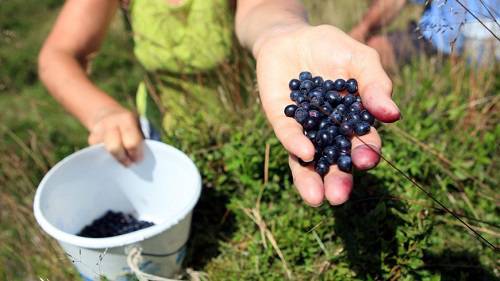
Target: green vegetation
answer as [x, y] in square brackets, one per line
[250, 223]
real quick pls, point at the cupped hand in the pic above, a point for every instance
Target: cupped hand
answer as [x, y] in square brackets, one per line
[328, 52]
[119, 130]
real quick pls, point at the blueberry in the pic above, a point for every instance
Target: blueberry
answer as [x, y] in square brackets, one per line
[349, 99]
[310, 123]
[329, 85]
[305, 75]
[353, 118]
[333, 97]
[333, 130]
[301, 115]
[319, 89]
[326, 109]
[294, 84]
[300, 99]
[342, 142]
[315, 114]
[345, 163]
[322, 167]
[331, 154]
[344, 151]
[368, 117]
[339, 84]
[356, 107]
[318, 81]
[290, 110]
[325, 123]
[311, 134]
[358, 99]
[294, 95]
[323, 138]
[362, 128]
[351, 86]
[305, 105]
[341, 108]
[336, 117]
[315, 93]
[306, 86]
[346, 129]
[317, 101]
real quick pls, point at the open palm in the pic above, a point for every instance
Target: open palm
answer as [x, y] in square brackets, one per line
[325, 51]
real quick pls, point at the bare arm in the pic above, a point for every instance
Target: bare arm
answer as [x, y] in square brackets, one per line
[77, 33]
[380, 13]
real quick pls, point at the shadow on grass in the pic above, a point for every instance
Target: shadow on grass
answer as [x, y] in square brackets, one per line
[368, 227]
[458, 265]
[212, 223]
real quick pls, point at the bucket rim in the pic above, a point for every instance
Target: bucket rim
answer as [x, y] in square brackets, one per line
[120, 240]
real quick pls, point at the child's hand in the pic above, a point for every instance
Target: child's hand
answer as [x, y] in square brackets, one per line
[119, 130]
[328, 52]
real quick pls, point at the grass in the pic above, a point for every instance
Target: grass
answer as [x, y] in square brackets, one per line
[250, 224]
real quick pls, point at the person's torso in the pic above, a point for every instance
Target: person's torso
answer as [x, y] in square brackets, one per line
[191, 37]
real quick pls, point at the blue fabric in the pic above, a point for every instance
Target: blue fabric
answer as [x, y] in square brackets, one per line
[441, 22]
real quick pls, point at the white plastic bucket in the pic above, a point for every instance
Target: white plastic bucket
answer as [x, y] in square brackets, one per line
[163, 188]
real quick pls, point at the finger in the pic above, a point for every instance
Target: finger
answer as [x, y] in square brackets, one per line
[275, 97]
[307, 182]
[113, 143]
[132, 140]
[375, 87]
[364, 157]
[338, 186]
[95, 138]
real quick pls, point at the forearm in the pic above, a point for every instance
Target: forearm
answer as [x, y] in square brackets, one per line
[66, 80]
[380, 13]
[257, 20]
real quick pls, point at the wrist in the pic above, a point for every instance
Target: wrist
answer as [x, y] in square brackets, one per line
[103, 109]
[274, 32]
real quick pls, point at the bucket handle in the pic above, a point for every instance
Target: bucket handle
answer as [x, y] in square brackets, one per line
[134, 258]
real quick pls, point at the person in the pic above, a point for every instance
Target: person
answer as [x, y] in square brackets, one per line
[276, 32]
[446, 27]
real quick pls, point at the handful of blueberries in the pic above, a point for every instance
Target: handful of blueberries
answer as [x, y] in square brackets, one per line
[330, 113]
[113, 224]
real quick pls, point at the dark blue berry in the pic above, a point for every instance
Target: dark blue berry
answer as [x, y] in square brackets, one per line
[346, 129]
[329, 85]
[300, 99]
[356, 107]
[318, 81]
[317, 101]
[305, 75]
[339, 85]
[310, 123]
[368, 117]
[333, 97]
[341, 108]
[351, 86]
[342, 142]
[323, 138]
[290, 110]
[358, 99]
[331, 154]
[311, 134]
[344, 151]
[344, 163]
[333, 130]
[322, 167]
[294, 84]
[362, 128]
[326, 109]
[325, 123]
[353, 118]
[306, 86]
[336, 117]
[301, 115]
[319, 89]
[349, 99]
[305, 105]
[315, 93]
[294, 95]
